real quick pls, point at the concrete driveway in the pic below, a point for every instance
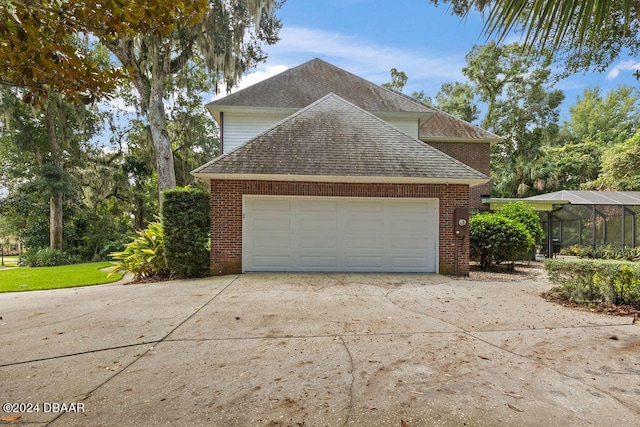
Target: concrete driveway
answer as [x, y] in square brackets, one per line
[314, 350]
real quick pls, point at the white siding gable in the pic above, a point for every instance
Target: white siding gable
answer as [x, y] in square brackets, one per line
[239, 127]
[408, 125]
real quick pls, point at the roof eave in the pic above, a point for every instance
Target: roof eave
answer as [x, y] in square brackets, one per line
[472, 182]
[490, 141]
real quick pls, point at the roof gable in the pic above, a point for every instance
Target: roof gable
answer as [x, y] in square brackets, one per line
[334, 138]
[300, 86]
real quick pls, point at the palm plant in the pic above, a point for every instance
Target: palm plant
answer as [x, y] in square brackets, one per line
[553, 23]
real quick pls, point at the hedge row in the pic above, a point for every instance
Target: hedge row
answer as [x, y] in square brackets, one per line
[586, 280]
[606, 252]
[185, 216]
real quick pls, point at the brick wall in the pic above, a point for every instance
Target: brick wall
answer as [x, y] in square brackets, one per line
[473, 154]
[226, 214]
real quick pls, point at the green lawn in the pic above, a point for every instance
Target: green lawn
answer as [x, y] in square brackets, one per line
[66, 276]
[10, 261]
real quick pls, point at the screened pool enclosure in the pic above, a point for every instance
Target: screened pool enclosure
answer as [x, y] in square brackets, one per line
[586, 218]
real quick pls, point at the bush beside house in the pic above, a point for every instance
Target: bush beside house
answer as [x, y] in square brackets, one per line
[178, 246]
[185, 215]
[495, 238]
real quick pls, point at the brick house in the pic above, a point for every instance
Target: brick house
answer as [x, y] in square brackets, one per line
[322, 170]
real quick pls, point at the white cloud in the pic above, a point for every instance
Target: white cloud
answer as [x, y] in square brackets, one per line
[367, 60]
[623, 66]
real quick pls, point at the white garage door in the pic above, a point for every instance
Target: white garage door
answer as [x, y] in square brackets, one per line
[285, 233]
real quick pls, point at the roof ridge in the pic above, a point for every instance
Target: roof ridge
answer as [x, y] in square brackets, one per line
[299, 86]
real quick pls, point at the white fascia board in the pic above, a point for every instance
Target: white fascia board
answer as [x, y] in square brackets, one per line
[490, 141]
[471, 182]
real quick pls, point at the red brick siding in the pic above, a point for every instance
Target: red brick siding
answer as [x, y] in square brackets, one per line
[473, 154]
[226, 214]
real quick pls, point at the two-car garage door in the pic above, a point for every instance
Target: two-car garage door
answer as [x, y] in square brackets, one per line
[294, 233]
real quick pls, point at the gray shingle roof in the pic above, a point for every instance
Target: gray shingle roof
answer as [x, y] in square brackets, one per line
[333, 137]
[300, 86]
[445, 127]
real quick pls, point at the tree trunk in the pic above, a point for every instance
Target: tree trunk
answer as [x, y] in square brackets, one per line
[55, 221]
[160, 136]
[55, 201]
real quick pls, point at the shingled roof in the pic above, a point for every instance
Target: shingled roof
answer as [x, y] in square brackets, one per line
[335, 138]
[300, 86]
[444, 127]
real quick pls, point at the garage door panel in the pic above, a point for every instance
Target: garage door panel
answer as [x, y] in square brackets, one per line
[363, 225]
[310, 263]
[271, 204]
[318, 242]
[271, 241]
[312, 206]
[365, 243]
[271, 224]
[360, 206]
[410, 225]
[273, 263]
[318, 224]
[411, 263]
[410, 244]
[300, 233]
[371, 263]
[415, 208]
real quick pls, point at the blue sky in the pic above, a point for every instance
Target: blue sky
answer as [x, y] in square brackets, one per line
[369, 37]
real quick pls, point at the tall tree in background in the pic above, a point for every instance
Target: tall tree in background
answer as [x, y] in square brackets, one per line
[607, 119]
[523, 109]
[227, 42]
[398, 80]
[457, 99]
[621, 166]
[597, 123]
[41, 146]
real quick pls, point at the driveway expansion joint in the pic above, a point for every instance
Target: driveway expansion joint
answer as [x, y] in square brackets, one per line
[140, 356]
[353, 379]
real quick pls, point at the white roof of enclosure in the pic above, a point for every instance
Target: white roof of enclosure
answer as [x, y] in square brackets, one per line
[626, 198]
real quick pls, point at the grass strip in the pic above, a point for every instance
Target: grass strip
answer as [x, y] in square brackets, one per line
[65, 276]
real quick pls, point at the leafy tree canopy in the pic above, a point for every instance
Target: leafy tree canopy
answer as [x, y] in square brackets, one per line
[621, 166]
[38, 52]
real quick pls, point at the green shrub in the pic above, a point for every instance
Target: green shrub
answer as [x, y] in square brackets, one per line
[45, 257]
[144, 255]
[602, 281]
[524, 214]
[185, 216]
[495, 239]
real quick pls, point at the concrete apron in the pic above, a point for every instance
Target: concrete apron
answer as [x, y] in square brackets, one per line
[315, 350]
